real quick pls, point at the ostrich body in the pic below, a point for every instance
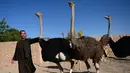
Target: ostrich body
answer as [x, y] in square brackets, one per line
[54, 46]
[85, 48]
[121, 48]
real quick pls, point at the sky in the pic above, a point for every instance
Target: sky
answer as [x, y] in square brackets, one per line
[89, 16]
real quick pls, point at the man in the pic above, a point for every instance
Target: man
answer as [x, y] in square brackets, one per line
[23, 54]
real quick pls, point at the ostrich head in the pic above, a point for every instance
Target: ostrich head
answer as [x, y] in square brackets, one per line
[107, 17]
[38, 14]
[71, 4]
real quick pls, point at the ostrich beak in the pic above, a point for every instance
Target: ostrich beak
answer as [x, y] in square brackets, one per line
[71, 4]
[107, 17]
[38, 14]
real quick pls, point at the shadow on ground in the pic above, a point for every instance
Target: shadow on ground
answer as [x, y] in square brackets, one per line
[81, 72]
[115, 58]
[69, 72]
[126, 60]
[56, 67]
[119, 60]
[53, 67]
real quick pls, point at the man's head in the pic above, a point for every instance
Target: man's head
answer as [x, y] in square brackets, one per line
[23, 34]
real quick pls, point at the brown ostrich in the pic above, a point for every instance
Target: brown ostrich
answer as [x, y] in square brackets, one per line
[86, 47]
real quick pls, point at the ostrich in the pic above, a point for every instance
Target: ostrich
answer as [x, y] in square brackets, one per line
[86, 47]
[121, 48]
[54, 50]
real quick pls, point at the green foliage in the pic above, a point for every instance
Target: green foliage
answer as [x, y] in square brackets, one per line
[7, 33]
[11, 35]
[80, 33]
[3, 27]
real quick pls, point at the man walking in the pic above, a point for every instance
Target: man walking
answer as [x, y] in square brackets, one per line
[23, 54]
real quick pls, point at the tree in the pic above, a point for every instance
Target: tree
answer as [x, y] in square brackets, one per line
[80, 33]
[11, 35]
[7, 33]
[3, 28]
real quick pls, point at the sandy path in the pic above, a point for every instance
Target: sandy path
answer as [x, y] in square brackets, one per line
[110, 66]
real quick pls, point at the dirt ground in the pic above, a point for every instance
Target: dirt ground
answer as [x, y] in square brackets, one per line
[111, 65]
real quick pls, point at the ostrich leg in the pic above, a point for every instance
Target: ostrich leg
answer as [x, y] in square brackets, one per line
[39, 15]
[61, 68]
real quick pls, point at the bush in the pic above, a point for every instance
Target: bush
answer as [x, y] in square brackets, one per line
[7, 33]
[11, 35]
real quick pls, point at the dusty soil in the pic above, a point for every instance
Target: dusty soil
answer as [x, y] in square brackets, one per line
[111, 65]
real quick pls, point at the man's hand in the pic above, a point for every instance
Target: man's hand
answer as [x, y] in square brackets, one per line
[12, 61]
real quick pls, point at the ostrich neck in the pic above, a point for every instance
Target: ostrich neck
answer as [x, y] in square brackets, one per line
[72, 23]
[109, 27]
[41, 26]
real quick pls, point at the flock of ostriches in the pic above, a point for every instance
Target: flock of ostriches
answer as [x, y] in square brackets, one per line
[57, 50]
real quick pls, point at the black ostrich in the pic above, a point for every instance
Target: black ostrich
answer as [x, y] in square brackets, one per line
[54, 50]
[121, 48]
